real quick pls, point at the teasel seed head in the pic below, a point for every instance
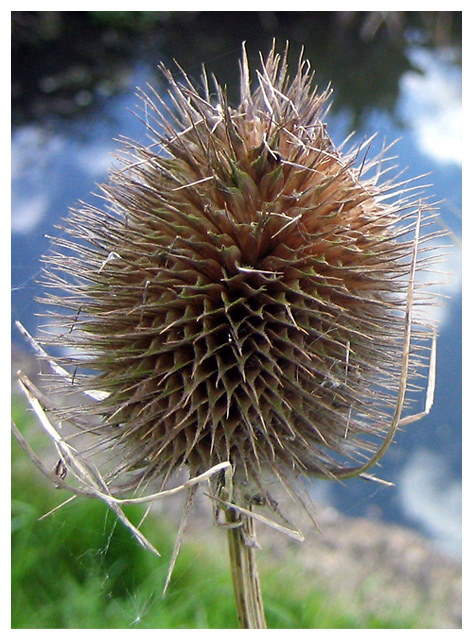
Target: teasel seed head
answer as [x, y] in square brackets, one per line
[242, 295]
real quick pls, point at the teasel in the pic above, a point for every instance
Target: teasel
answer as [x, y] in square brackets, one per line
[245, 295]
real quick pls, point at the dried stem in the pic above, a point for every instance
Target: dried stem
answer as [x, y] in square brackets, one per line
[242, 548]
[246, 585]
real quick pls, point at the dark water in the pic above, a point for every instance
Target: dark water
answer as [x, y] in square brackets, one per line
[63, 137]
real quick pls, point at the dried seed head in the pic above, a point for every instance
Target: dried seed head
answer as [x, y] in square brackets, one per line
[243, 295]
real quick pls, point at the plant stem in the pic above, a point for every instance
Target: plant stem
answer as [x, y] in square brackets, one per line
[246, 586]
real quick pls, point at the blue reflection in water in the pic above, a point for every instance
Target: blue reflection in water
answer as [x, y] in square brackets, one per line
[54, 168]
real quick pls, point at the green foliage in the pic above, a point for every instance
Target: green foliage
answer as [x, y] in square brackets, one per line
[79, 568]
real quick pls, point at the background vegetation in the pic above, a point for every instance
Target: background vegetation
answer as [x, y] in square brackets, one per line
[79, 568]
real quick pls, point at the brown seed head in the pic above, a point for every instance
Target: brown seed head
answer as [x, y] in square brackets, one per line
[242, 296]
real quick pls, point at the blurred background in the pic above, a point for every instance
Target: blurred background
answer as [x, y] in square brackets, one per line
[74, 78]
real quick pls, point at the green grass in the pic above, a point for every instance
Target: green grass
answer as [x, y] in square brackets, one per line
[80, 568]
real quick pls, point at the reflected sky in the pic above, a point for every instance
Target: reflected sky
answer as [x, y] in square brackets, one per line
[54, 166]
[431, 105]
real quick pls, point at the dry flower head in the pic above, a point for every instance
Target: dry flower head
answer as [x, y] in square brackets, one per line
[245, 297]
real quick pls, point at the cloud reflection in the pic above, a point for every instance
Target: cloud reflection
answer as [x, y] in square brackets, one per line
[432, 497]
[48, 165]
[432, 105]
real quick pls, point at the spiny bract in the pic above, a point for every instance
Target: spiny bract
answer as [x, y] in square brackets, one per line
[242, 296]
